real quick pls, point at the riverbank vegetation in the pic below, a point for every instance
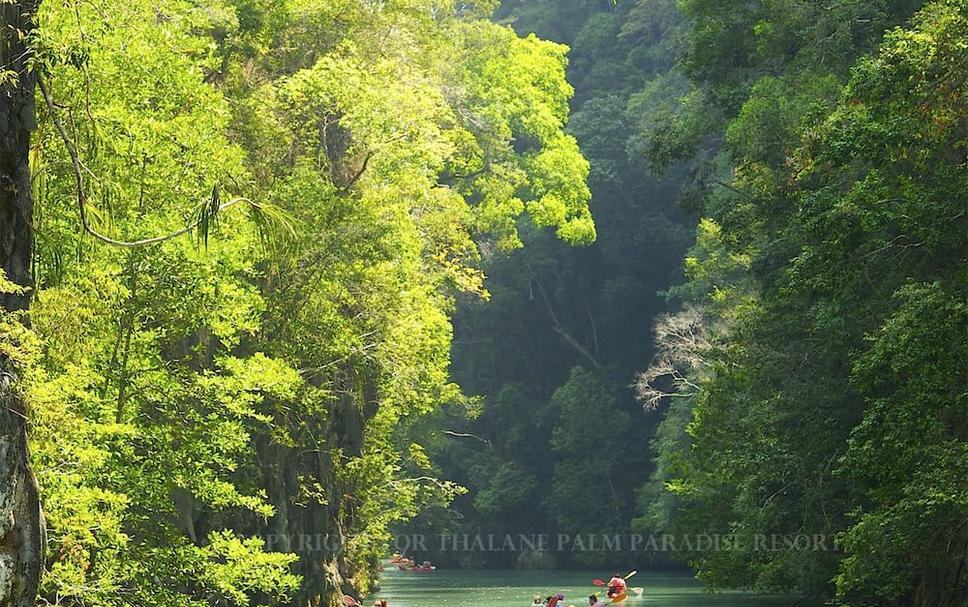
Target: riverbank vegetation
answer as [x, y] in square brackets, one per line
[251, 220]
[282, 278]
[820, 352]
[807, 372]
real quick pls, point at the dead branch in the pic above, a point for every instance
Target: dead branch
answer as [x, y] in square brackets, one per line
[560, 330]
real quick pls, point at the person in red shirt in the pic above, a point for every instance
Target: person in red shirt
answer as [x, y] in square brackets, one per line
[617, 589]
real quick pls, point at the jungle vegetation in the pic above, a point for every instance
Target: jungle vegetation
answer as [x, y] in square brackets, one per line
[803, 164]
[250, 222]
[280, 270]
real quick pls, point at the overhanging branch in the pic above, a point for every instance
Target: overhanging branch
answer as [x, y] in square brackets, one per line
[78, 170]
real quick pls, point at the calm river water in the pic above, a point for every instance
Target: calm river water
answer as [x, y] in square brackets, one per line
[518, 589]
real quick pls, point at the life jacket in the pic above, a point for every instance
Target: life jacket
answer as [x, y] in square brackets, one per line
[617, 590]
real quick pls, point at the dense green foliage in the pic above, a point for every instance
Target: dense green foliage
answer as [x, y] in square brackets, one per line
[214, 416]
[561, 444]
[810, 379]
[265, 229]
[819, 366]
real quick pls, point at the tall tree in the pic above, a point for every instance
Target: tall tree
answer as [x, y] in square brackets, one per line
[21, 521]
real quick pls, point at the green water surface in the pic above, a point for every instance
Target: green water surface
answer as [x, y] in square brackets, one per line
[518, 589]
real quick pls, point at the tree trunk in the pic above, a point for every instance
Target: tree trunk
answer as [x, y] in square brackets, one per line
[21, 522]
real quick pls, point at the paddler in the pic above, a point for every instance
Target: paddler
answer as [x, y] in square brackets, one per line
[594, 601]
[554, 600]
[617, 589]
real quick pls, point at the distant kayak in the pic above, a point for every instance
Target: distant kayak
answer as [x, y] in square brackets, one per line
[406, 567]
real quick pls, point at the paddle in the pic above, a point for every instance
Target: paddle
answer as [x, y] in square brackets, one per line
[350, 601]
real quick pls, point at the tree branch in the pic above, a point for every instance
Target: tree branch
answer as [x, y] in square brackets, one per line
[466, 435]
[560, 330]
[79, 168]
[356, 177]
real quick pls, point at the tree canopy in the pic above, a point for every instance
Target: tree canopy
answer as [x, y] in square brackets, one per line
[252, 221]
[280, 279]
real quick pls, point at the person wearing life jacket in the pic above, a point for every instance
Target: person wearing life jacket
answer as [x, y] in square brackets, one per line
[553, 600]
[617, 589]
[594, 601]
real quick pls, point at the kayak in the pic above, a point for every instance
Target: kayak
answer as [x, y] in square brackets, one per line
[620, 598]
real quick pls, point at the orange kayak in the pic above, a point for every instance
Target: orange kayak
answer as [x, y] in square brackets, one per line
[620, 598]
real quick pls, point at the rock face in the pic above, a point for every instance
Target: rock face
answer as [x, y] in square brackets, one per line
[21, 522]
[315, 526]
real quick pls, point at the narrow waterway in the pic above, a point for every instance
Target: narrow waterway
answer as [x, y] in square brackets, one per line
[518, 589]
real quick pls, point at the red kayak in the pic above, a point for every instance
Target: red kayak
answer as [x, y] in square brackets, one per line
[422, 569]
